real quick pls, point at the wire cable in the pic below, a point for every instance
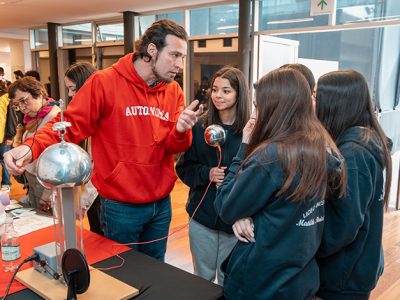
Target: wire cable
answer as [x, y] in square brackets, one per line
[30, 258]
[175, 231]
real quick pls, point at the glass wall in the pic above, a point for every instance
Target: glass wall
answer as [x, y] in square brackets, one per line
[77, 35]
[144, 22]
[208, 57]
[109, 32]
[374, 52]
[39, 38]
[286, 14]
[350, 11]
[214, 20]
[349, 49]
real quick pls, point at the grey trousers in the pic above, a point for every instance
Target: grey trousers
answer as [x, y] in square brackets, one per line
[209, 250]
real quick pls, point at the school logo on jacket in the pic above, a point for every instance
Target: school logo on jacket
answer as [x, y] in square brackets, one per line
[133, 111]
[308, 218]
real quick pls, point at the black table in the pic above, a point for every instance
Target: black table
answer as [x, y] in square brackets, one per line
[154, 279]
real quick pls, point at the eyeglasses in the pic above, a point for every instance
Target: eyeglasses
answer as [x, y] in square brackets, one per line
[23, 101]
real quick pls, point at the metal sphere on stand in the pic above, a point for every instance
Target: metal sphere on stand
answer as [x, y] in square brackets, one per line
[214, 135]
[63, 165]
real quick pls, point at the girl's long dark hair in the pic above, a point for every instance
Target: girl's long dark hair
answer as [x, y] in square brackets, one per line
[238, 83]
[79, 73]
[285, 117]
[344, 101]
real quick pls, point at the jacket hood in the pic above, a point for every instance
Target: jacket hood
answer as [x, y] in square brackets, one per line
[124, 66]
[334, 163]
[357, 136]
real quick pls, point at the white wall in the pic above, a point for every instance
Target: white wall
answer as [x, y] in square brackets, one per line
[5, 64]
[14, 55]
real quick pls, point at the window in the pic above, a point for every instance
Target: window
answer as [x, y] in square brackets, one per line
[351, 11]
[75, 35]
[371, 51]
[214, 20]
[109, 32]
[146, 21]
[39, 38]
[285, 14]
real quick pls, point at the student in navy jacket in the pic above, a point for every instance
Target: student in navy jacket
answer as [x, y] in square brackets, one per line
[278, 183]
[351, 257]
[211, 240]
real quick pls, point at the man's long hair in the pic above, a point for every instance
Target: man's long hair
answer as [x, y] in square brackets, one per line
[156, 34]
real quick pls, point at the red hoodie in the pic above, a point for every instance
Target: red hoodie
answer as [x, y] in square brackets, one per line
[133, 132]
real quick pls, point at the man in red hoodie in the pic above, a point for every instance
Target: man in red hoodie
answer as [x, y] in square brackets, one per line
[134, 112]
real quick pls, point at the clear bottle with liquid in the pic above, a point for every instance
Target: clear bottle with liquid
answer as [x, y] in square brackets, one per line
[10, 248]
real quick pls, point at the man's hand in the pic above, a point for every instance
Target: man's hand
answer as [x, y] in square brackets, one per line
[189, 117]
[244, 230]
[17, 158]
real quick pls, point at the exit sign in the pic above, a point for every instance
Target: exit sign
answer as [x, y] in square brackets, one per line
[322, 7]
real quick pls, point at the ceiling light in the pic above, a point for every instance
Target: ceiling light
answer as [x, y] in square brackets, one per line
[291, 21]
[227, 27]
[83, 40]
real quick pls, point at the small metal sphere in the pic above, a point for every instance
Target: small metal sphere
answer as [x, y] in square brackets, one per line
[63, 165]
[214, 135]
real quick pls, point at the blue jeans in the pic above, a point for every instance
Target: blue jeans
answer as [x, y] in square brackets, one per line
[129, 223]
[5, 176]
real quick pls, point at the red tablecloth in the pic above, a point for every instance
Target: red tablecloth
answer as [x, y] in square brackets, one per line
[97, 248]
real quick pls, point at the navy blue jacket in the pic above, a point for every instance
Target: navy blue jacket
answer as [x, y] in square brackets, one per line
[350, 257]
[193, 168]
[281, 263]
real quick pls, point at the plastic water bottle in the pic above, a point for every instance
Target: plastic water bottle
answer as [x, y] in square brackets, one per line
[4, 201]
[10, 249]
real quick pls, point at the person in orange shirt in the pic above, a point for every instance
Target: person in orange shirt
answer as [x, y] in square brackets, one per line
[134, 112]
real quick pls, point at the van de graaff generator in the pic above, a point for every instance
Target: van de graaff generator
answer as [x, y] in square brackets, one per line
[63, 167]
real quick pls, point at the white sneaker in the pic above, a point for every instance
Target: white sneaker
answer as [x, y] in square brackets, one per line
[5, 188]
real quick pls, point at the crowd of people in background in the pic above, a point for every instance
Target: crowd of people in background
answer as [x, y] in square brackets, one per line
[295, 208]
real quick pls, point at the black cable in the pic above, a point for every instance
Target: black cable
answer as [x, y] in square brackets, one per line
[30, 258]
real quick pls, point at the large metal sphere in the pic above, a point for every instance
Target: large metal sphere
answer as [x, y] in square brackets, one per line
[63, 165]
[214, 135]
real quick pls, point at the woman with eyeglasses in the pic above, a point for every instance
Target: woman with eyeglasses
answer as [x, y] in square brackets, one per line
[30, 96]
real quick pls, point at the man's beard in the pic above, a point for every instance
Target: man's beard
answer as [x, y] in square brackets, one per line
[158, 76]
